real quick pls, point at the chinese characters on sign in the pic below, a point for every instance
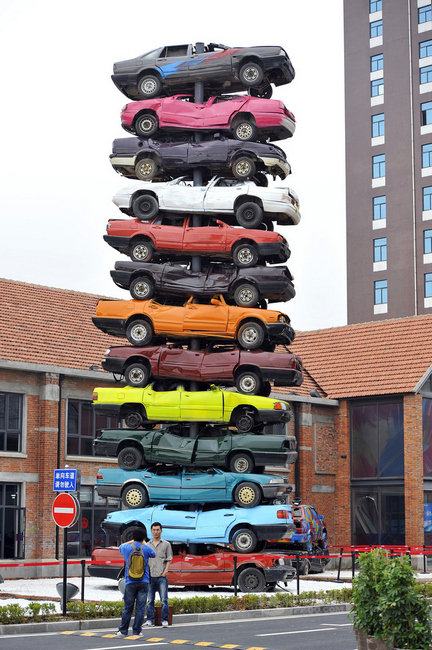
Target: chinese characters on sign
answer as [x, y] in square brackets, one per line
[65, 480]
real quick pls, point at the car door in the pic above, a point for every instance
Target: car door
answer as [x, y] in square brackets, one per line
[162, 404]
[214, 524]
[178, 525]
[214, 64]
[182, 197]
[177, 362]
[213, 153]
[205, 567]
[217, 366]
[219, 278]
[213, 449]
[182, 112]
[179, 280]
[220, 110]
[164, 484]
[165, 318]
[170, 448]
[210, 238]
[202, 406]
[200, 485]
[172, 62]
[200, 317]
[167, 231]
[222, 193]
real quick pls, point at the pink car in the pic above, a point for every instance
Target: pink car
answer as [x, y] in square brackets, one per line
[246, 118]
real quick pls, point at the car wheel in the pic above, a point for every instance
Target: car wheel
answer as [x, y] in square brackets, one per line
[248, 382]
[247, 495]
[134, 496]
[127, 534]
[266, 389]
[246, 295]
[250, 335]
[271, 586]
[146, 125]
[265, 92]
[133, 419]
[137, 375]
[243, 421]
[146, 169]
[241, 464]
[244, 130]
[145, 207]
[243, 168]
[251, 579]
[249, 215]
[244, 540]
[130, 458]
[142, 288]
[149, 86]
[251, 74]
[245, 255]
[305, 567]
[139, 332]
[141, 251]
[260, 179]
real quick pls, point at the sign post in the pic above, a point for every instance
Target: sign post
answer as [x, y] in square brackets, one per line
[65, 511]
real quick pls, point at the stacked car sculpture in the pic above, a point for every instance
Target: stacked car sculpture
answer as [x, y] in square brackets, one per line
[199, 231]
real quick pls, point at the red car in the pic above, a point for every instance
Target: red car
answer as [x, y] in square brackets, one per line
[174, 235]
[244, 117]
[207, 565]
[250, 371]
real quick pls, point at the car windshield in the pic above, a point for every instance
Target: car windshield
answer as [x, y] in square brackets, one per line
[151, 55]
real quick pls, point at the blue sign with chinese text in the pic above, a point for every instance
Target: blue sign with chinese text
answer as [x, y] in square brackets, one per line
[428, 517]
[65, 480]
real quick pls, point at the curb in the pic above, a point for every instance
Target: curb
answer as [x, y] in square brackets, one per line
[104, 623]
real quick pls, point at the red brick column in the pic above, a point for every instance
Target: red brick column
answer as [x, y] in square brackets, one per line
[342, 531]
[413, 470]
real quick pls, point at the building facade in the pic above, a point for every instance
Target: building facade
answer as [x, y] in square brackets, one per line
[388, 99]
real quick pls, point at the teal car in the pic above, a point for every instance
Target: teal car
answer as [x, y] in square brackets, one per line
[165, 484]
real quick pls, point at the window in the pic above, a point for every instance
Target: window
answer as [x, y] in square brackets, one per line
[377, 125]
[10, 421]
[424, 14]
[427, 198]
[427, 155]
[378, 166]
[425, 49]
[426, 113]
[426, 74]
[377, 87]
[375, 5]
[376, 62]
[380, 292]
[87, 533]
[12, 522]
[376, 28]
[175, 50]
[378, 515]
[82, 424]
[427, 242]
[428, 285]
[427, 437]
[379, 204]
[380, 249]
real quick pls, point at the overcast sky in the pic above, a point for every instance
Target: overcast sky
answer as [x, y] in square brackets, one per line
[60, 112]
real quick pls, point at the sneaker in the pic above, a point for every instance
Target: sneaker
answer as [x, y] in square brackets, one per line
[164, 623]
[118, 633]
[149, 624]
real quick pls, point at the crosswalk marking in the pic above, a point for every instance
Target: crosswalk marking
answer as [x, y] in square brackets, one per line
[88, 634]
[156, 638]
[179, 641]
[109, 636]
[72, 632]
[229, 646]
[204, 643]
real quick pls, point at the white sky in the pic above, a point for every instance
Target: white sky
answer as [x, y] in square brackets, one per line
[60, 112]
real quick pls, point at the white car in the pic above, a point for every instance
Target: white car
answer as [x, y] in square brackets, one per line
[245, 203]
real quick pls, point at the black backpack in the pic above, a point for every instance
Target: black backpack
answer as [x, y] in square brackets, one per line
[136, 564]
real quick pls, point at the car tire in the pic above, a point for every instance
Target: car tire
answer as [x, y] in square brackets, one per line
[134, 496]
[305, 568]
[133, 419]
[149, 86]
[244, 130]
[246, 295]
[266, 389]
[245, 255]
[241, 463]
[146, 169]
[243, 168]
[251, 74]
[145, 207]
[130, 458]
[251, 580]
[247, 495]
[141, 250]
[264, 92]
[260, 179]
[244, 540]
[250, 335]
[139, 332]
[243, 421]
[142, 288]
[248, 382]
[146, 125]
[250, 215]
[137, 375]
[127, 534]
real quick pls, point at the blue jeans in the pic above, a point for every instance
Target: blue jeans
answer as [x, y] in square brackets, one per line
[159, 585]
[134, 593]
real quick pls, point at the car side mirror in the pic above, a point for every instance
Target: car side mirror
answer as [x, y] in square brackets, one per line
[213, 387]
[215, 301]
[220, 224]
[211, 471]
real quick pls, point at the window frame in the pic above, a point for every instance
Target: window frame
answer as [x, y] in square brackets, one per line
[424, 14]
[380, 124]
[14, 432]
[377, 59]
[378, 166]
[79, 436]
[379, 207]
[428, 285]
[426, 155]
[382, 291]
[425, 45]
[426, 198]
[377, 87]
[425, 75]
[376, 28]
[427, 241]
[380, 249]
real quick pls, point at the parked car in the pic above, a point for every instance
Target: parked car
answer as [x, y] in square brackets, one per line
[247, 287]
[208, 564]
[139, 405]
[250, 371]
[166, 157]
[243, 529]
[169, 235]
[172, 484]
[214, 447]
[236, 202]
[240, 116]
[224, 69]
[311, 531]
[141, 320]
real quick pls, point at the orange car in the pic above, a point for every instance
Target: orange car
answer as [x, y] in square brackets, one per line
[140, 320]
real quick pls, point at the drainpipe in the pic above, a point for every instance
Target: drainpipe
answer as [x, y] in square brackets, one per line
[57, 540]
[296, 408]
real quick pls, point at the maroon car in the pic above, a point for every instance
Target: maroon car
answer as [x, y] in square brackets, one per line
[250, 371]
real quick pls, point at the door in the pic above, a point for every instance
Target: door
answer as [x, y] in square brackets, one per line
[166, 318]
[180, 279]
[206, 567]
[178, 525]
[202, 406]
[222, 194]
[219, 110]
[163, 405]
[205, 239]
[199, 485]
[167, 231]
[169, 448]
[172, 62]
[205, 317]
[165, 485]
[218, 365]
[212, 449]
[185, 198]
[182, 112]
[213, 153]
[210, 65]
[177, 362]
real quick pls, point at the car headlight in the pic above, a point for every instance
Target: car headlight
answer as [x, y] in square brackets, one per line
[106, 353]
[281, 318]
[277, 480]
[280, 406]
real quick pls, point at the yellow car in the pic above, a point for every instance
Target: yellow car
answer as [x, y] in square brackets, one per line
[139, 405]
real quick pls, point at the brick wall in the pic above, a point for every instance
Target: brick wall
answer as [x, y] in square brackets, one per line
[413, 470]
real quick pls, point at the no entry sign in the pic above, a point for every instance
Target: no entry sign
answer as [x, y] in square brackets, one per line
[65, 510]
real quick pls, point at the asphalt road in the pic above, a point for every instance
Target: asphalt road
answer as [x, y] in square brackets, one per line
[323, 632]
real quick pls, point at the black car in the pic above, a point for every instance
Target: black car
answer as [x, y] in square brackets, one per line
[247, 287]
[170, 156]
[175, 68]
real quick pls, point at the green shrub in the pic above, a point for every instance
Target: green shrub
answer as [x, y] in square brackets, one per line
[365, 592]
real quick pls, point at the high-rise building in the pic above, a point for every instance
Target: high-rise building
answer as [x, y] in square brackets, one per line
[388, 100]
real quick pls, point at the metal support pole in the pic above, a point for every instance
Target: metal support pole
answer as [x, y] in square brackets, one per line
[83, 563]
[424, 560]
[65, 556]
[353, 563]
[298, 574]
[339, 567]
[235, 576]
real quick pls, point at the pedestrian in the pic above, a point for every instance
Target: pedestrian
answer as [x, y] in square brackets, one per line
[159, 566]
[137, 555]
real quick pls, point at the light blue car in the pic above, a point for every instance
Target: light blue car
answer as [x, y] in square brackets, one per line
[171, 484]
[244, 529]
